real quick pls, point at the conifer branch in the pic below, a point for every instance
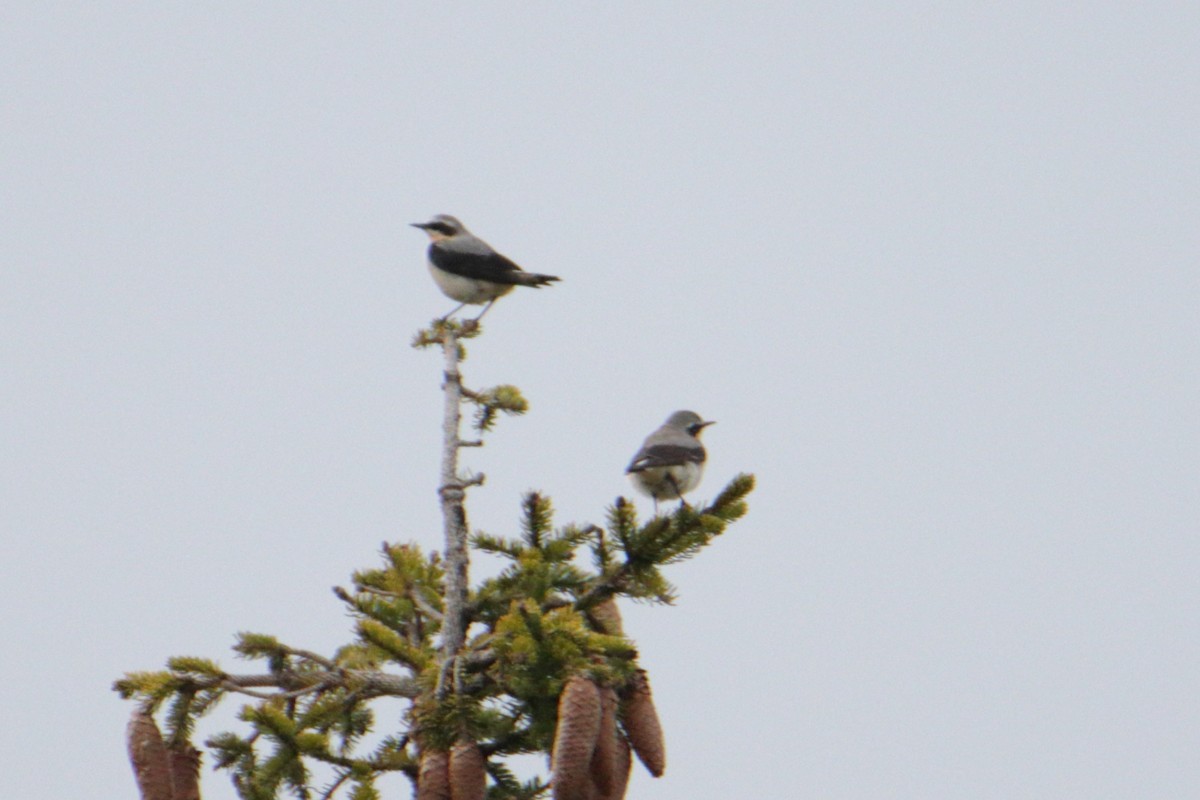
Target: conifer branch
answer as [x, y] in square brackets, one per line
[336, 784]
[367, 682]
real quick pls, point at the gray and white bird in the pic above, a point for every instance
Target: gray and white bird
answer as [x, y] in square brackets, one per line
[671, 461]
[467, 269]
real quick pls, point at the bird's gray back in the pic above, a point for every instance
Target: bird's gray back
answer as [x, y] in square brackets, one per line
[467, 243]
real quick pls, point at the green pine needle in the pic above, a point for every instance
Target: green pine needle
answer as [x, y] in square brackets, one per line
[194, 665]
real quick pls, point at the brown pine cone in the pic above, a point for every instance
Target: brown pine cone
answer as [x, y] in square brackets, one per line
[433, 775]
[468, 774]
[575, 739]
[622, 760]
[604, 756]
[641, 724]
[185, 771]
[148, 755]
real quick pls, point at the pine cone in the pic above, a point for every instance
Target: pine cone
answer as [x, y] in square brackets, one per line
[575, 739]
[606, 618]
[185, 771]
[642, 725]
[604, 756]
[148, 755]
[433, 775]
[468, 776]
[620, 774]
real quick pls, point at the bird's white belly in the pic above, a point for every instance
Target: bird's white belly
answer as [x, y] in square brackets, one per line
[657, 481]
[467, 290]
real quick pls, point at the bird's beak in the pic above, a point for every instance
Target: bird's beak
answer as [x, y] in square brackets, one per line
[704, 425]
[421, 225]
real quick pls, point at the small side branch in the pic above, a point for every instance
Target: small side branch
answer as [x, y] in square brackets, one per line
[368, 683]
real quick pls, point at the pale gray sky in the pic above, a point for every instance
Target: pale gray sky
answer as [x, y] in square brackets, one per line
[933, 269]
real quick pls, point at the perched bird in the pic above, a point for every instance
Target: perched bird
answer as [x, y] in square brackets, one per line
[671, 461]
[466, 267]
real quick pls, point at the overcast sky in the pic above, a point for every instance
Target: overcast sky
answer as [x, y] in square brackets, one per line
[933, 268]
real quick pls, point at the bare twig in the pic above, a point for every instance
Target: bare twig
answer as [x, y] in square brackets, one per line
[290, 695]
[424, 606]
[316, 658]
[454, 513]
[443, 676]
[337, 784]
[380, 592]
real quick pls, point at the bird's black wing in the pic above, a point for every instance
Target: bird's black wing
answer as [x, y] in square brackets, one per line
[665, 455]
[479, 266]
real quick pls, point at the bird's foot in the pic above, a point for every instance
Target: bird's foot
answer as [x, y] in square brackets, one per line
[451, 313]
[487, 308]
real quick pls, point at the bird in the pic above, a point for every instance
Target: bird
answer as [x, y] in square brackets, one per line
[468, 270]
[671, 460]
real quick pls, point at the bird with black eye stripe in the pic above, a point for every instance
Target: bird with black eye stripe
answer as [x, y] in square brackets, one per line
[468, 270]
[671, 461]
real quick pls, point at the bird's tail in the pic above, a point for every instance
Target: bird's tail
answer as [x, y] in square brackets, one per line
[534, 279]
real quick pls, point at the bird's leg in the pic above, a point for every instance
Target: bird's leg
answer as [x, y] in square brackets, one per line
[682, 503]
[655, 499]
[485, 310]
[452, 313]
